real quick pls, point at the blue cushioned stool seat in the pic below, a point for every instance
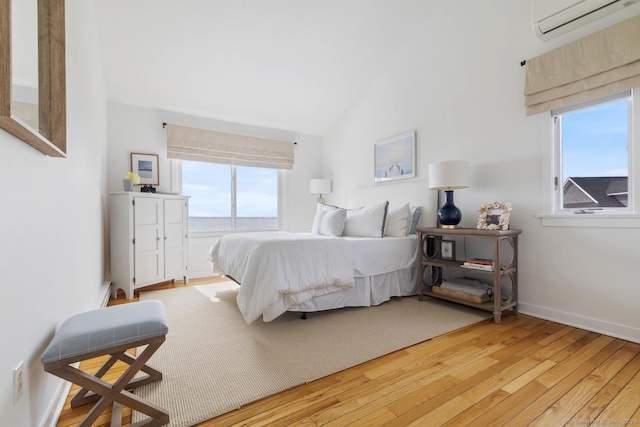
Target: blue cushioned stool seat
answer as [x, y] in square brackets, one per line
[106, 328]
[110, 331]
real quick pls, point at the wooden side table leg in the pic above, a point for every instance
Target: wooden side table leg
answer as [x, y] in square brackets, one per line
[497, 299]
[421, 242]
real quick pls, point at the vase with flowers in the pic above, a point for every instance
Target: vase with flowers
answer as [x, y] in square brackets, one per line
[130, 179]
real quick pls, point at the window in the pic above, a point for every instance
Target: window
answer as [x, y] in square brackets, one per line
[230, 198]
[592, 160]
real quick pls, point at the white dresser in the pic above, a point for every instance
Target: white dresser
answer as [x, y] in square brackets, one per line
[149, 243]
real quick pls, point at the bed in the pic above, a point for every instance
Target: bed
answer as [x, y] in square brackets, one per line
[309, 272]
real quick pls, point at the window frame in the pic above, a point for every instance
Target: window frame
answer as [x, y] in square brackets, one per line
[558, 182]
[628, 217]
[176, 186]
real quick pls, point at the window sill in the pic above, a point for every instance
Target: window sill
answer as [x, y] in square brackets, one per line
[202, 234]
[595, 220]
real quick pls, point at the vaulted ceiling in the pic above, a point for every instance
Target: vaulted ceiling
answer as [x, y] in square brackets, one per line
[287, 64]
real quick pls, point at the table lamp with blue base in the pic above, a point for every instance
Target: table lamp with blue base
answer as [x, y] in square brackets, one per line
[448, 176]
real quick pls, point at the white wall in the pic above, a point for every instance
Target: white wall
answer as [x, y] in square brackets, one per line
[459, 84]
[52, 227]
[139, 130]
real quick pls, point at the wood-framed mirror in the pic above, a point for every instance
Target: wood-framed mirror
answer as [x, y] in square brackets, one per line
[50, 136]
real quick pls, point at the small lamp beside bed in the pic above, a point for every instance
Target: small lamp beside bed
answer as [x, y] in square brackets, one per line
[320, 186]
[448, 176]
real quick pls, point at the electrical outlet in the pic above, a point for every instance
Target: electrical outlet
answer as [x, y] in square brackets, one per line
[18, 382]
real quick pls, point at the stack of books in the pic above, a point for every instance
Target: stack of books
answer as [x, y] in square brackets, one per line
[482, 264]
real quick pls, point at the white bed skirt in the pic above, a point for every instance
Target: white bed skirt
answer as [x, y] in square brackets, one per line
[371, 290]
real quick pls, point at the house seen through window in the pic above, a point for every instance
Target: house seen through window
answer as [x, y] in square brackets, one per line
[230, 198]
[592, 161]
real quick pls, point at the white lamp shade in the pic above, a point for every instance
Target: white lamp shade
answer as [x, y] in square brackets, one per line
[449, 175]
[320, 186]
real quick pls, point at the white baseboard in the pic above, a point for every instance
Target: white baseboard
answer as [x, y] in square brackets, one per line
[624, 332]
[102, 298]
[57, 404]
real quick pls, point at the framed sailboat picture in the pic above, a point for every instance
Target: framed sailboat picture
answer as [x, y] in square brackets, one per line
[395, 157]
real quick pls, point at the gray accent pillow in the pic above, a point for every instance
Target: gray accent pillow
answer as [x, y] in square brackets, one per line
[416, 212]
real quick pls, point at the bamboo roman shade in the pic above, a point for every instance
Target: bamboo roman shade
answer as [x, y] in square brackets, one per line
[203, 145]
[595, 66]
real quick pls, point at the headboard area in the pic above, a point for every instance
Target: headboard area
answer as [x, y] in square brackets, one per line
[417, 193]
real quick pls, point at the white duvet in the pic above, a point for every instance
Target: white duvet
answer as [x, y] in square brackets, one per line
[279, 270]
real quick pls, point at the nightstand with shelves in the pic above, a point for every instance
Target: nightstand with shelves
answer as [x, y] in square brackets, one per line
[432, 263]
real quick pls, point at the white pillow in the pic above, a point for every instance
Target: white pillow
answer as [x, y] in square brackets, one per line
[397, 224]
[367, 221]
[330, 222]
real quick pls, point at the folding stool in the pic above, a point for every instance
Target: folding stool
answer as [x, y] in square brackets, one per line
[111, 330]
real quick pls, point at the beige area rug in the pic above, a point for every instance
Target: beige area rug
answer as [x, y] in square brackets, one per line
[213, 362]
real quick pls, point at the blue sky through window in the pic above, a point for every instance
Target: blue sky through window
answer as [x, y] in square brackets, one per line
[594, 141]
[257, 192]
[209, 188]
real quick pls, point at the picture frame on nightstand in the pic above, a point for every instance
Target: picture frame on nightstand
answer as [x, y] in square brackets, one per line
[494, 216]
[448, 250]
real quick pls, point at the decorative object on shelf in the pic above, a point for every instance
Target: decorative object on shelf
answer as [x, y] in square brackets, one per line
[146, 166]
[395, 157]
[430, 247]
[448, 250]
[320, 186]
[449, 175]
[471, 290]
[479, 264]
[130, 179]
[147, 189]
[494, 216]
[474, 266]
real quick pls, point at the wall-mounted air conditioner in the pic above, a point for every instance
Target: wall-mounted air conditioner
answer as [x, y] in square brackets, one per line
[554, 17]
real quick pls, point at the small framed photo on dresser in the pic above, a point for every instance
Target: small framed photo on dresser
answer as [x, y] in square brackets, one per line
[448, 250]
[146, 167]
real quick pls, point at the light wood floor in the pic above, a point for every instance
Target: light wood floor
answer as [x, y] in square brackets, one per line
[525, 371]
